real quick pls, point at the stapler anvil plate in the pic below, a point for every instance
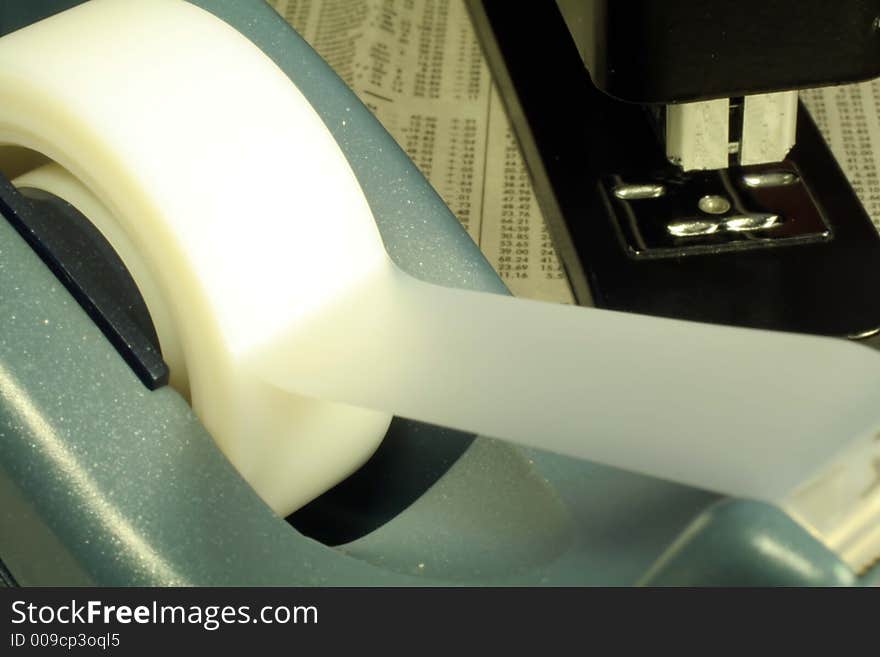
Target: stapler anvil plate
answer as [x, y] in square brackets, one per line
[108, 478]
[604, 97]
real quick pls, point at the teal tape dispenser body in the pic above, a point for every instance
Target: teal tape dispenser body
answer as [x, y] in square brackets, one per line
[95, 462]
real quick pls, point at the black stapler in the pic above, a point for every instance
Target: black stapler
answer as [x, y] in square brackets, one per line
[677, 170]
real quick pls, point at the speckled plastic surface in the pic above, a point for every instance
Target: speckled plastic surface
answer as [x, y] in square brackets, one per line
[103, 482]
[738, 543]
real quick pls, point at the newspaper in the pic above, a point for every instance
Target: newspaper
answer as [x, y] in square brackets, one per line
[418, 66]
[849, 118]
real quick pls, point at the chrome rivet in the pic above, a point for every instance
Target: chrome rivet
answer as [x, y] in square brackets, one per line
[714, 204]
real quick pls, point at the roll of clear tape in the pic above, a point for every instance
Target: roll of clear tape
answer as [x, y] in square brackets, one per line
[156, 111]
[245, 213]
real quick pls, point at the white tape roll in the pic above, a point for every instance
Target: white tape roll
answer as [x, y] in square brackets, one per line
[258, 238]
[184, 144]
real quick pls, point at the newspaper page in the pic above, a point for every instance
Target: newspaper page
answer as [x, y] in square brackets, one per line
[849, 117]
[418, 66]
